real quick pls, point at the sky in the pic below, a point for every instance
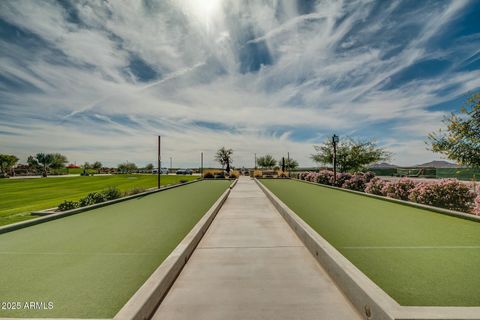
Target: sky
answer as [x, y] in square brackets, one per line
[99, 80]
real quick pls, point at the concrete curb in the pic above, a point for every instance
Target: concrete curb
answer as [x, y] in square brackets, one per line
[54, 216]
[453, 213]
[369, 299]
[146, 300]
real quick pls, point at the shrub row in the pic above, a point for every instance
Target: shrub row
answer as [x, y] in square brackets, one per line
[97, 197]
[448, 193]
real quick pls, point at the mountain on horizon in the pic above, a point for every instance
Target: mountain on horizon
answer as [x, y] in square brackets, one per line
[438, 164]
[383, 165]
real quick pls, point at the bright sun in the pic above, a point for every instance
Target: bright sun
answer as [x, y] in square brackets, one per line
[202, 10]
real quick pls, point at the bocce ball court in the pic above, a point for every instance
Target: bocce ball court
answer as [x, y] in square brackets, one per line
[417, 256]
[91, 263]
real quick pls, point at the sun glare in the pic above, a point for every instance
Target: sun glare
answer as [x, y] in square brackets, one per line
[202, 10]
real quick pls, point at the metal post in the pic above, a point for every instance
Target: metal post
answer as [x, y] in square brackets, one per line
[288, 163]
[159, 163]
[201, 164]
[255, 167]
[335, 139]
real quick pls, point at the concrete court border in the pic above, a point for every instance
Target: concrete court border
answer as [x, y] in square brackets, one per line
[54, 216]
[146, 299]
[368, 298]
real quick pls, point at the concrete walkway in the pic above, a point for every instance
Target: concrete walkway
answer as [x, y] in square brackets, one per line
[251, 265]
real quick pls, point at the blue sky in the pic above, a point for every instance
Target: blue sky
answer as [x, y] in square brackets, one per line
[98, 80]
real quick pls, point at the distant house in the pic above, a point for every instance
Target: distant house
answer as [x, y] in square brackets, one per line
[72, 166]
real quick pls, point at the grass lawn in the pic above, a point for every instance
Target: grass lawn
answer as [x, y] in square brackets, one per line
[90, 264]
[419, 257]
[18, 197]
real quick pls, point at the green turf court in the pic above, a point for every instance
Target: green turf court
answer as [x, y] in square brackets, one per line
[90, 264]
[18, 197]
[419, 257]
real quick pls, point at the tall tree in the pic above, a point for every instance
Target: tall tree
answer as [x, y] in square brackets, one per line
[127, 167]
[58, 161]
[7, 161]
[352, 155]
[97, 165]
[149, 167]
[461, 140]
[266, 161]
[224, 157]
[85, 167]
[51, 160]
[291, 164]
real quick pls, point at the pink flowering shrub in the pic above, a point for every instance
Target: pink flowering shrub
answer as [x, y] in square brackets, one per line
[302, 175]
[369, 176]
[325, 177]
[357, 182]
[311, 176]
[398, 189]
[476, 209]
[375, 186]
[341, 178]
[448, 193]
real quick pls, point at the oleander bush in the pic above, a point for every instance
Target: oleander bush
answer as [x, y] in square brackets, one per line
[399, 189]
[302, 175]
[375, 186]
[311, 176]
[357, 182]
[476, 209]
[369, 175]
[448, 193]
[341, 178]
[325, 177]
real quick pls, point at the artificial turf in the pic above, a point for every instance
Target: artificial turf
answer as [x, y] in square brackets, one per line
[18, 197]
[419, 257]
[91, 263]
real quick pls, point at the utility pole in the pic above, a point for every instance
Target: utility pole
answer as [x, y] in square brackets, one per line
[335, 140]
[159, 162]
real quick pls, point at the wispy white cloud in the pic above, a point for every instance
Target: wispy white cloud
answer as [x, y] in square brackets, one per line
[265, 76]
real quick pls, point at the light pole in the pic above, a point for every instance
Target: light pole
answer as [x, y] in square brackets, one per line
[255, 167]
[159, 159]
[201, 164]
[288, 164]
[335, 140]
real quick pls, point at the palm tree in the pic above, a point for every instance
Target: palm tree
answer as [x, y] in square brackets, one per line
[224, 157]
[45, 159]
